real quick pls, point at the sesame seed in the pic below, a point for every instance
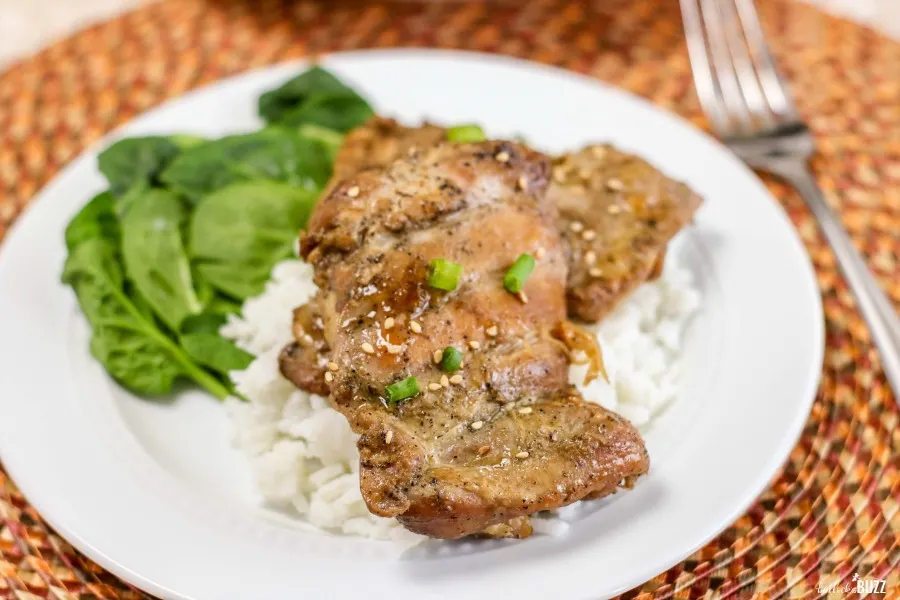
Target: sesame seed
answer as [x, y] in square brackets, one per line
[523, 183]
[387, 309]
[329, 376]
[554, 436]
[589, 235]
[576, 226]
[394, 349]
[368, 348]
[415, 327]
[484, 450]
[525, 411]
[353, 192]
[491, 331]
[522, 454]
[389, 322]
[346, 322]
[613, 209]
[474, 345]
[504, 462]
[371, 314]
[595, 272]
[477, 425]
[332, 366]
[388, 436]
[590, 257]
[540, 252]
[307, 339]
[434, 386]
[615, 184]
[444, 381]
[502, 156]
[523, 297]
[598, 151]
[456, 379]
[437, 356]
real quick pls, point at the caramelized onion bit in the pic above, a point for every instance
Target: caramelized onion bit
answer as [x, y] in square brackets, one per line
[583, 348]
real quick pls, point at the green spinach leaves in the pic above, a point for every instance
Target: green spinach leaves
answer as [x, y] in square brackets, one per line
[240, 232]
[191, 227]
[274, 154]
[125, 340]
[315, 97]
[154, 256]
[135, 160]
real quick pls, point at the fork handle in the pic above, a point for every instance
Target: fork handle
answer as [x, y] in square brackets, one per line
[876, 308]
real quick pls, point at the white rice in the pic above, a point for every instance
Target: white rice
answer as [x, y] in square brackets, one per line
[303, 452]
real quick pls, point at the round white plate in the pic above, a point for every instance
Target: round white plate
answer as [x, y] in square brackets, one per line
[154, 493]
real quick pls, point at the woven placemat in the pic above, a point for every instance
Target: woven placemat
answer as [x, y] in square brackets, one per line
[832, 513]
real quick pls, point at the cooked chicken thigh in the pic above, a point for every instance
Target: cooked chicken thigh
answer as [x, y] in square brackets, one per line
[478, 449]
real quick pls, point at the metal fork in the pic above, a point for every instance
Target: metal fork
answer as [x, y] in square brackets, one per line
[751, 110]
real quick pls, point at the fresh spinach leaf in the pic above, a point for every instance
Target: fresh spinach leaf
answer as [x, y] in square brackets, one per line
[206, 293]
[184, 141]
[201, 340]
[329, 139]
[205, 322]
[128, 344]
[129, 197]
[213, 300]
[135, 160]
[223, 305]
[96, 220]
[315, 97]
[275, 154]
[215, 352]
[240, 280]
[154, 256]
[341, 113]
[238, 233]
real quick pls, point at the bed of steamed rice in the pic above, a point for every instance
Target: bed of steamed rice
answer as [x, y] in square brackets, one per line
[303, 453]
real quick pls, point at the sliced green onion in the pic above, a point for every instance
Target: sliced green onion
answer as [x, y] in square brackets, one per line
[444, 274]
[451, 358]
[518, 274]
[466, 133]
[402, 390]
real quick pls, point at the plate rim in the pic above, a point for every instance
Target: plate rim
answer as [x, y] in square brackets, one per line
[777, 457]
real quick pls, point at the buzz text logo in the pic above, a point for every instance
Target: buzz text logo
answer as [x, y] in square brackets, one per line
[858, 585]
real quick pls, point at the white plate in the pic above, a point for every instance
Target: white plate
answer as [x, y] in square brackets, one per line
[153, 492]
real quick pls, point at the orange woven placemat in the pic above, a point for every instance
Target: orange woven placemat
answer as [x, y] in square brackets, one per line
[833, 510]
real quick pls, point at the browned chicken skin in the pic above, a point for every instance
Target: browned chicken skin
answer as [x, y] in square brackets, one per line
[379, 142]
[617, 214]
[505, 436]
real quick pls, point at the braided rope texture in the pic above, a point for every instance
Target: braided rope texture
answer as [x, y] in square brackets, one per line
[830, 513]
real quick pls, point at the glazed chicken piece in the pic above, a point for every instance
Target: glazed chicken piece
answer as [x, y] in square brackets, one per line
[479, 449]
[379, 142]
[617, 214]
[305, 360]
[374, 145]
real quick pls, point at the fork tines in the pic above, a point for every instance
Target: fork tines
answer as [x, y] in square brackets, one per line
[737, 82]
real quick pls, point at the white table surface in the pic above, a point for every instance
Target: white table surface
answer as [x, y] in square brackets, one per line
[26, 25]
